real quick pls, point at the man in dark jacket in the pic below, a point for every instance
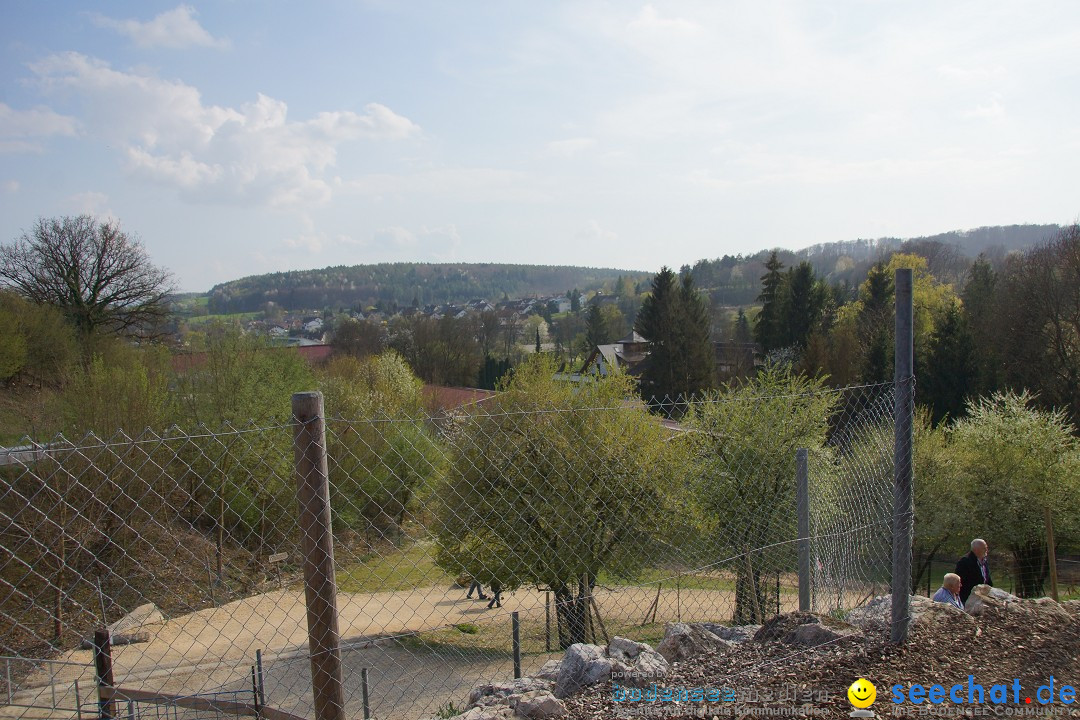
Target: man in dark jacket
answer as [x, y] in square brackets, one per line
[973, 569]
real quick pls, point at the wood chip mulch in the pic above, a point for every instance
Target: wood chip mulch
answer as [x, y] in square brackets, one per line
[771, 679]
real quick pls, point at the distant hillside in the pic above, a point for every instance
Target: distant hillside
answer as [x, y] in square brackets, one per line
[388, 285]
[736, 279]
[730, 280]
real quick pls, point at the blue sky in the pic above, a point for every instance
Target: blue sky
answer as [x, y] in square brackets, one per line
[243, 137]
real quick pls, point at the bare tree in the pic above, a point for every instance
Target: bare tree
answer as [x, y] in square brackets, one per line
[98, 275]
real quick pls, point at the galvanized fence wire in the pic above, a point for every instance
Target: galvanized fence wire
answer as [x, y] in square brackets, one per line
[587, 520]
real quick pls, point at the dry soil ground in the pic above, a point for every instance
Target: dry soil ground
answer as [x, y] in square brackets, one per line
[213, 649]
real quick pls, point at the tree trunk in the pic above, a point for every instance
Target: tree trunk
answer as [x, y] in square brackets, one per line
[1030, 569]
[571, 608]
[221, 531]
[61, 563]
[749, 595]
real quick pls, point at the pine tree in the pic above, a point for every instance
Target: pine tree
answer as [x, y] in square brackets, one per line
[951, 375]
[743, 334]
[980, 298]
[874, 327]
[802, 305]
[537, 339]
[656, 321]
[768, 325]
[595, 328]
[675, 321]
[697, 357]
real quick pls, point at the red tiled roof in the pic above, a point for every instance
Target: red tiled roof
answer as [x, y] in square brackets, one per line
[438, 397]
[182, 362]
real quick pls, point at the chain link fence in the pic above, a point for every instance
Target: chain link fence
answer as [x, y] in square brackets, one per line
[565, 520]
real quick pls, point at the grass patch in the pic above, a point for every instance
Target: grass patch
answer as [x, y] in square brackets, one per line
[200, 320]
[406, 568]
[670, 578]
[492, 638]
[467, 628]
[449, 710]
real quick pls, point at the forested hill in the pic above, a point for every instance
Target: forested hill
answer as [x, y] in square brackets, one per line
[734, 280]
[731, 279]
[404, 284]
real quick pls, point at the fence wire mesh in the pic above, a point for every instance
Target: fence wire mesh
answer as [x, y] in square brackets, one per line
[587, 519]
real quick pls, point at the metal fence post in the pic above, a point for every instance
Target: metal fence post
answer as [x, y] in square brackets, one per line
[515, 633]
[317, 542]
[903, 505]
[364, 693]
[802, 494]
[104, 670]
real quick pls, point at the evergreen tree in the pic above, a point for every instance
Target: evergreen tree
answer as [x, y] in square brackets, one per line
[696, 353]
[655, 322]
[768, 326]
[537, 339]
[951, 376]
[803, 301]
[743, 335]
[595, 328]
[984, 322]
[675, 321]
[874, 326]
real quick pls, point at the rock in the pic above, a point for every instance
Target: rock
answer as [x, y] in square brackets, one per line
[877, 614]
[635, 664]
[810, 635]
[682, 641]
[983, 596]
[625, 649]
[500, 712]
[141, 616]
[549, 671]
[539, 704]
[735, 633]
[127, 630]
[582, 665]
[777, 627]
[499, 691]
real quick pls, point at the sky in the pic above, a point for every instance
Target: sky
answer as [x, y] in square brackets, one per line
[241, 137]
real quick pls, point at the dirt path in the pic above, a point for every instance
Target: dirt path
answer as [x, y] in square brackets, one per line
[214, 649]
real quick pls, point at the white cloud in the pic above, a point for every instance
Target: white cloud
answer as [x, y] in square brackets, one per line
[10, 186]
[439, 243]
[396, 236]
[649, 21]
[310, 242]
[91, 203]
[176, 28]
[593, 233]
[21, 130]
[993, 109]
[253, 154]
[570, 147]
[461, 184]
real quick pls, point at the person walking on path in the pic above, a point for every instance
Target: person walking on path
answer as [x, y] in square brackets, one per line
[496, 598]
[479, 591]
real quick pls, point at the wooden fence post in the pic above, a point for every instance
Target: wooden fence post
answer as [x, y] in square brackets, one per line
[104, 669]
[317, 542]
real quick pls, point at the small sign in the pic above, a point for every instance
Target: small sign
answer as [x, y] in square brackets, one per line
[277, 558]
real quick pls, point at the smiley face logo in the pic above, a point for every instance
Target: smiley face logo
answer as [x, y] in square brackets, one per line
[862, 693]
